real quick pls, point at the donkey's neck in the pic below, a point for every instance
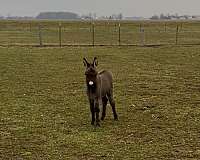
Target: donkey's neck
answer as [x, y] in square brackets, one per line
[95, 88]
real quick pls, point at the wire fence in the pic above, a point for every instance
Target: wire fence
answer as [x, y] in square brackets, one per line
[113, 33]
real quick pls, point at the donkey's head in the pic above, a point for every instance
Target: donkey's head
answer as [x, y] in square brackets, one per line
[91, 72]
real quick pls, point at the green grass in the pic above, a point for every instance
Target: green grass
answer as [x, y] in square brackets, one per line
[44, 112]
[106, 32]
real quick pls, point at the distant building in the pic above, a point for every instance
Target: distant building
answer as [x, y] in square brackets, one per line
[171, 17]
[196, 17]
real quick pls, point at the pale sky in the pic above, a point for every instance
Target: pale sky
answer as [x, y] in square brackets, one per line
[145, 8]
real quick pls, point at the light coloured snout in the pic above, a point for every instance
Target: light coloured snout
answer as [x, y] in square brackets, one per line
[91, 83]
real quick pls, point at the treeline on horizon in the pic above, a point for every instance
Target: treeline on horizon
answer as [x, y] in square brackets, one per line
[63, 16]
[89, 16]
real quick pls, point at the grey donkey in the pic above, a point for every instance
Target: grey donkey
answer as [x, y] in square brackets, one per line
[99, 90]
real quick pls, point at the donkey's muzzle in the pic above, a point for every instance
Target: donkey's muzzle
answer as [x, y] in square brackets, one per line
[91, 83]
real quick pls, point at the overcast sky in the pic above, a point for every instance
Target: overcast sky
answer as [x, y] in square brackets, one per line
[145, 8]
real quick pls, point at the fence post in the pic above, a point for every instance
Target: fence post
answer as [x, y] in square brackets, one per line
[90, 27]
[177, 34]
[181, 27]
[119, 34]
[115, 27]
[40, 34]
[60, 35]
[93, 34]
[30, 27]
[142, 38]
[140, 27]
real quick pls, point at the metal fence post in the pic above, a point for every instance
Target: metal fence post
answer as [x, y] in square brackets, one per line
[30, 27]
[119, 34]
[177, 27]
[40, 34]
[93, 30]
[60, 35]
[142, 38]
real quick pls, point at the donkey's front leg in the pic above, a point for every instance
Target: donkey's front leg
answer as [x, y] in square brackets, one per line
[92, 111]
[97, 110]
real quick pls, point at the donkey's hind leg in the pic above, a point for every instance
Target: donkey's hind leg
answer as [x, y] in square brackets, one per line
[112, 103]
[104, 101]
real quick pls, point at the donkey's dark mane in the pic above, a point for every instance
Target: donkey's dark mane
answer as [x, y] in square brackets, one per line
[101, 72]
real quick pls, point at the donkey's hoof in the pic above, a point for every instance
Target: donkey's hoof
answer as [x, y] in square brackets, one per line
[116, 118]
[97, 124]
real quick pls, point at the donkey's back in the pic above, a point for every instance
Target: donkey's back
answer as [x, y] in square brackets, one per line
[106, 81]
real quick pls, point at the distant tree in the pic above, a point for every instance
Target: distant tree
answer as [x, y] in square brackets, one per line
[168, 16]
[94, 16]
[120, 16]
[186, 16]
[154, 17]
[90, 15]
[57, 15]
[116, 16]
[162, 16]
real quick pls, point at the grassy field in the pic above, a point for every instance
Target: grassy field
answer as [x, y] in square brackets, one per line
[44, 112]
[105, 32]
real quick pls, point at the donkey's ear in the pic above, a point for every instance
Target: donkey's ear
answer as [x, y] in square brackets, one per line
[85, 62]
[95, 62]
